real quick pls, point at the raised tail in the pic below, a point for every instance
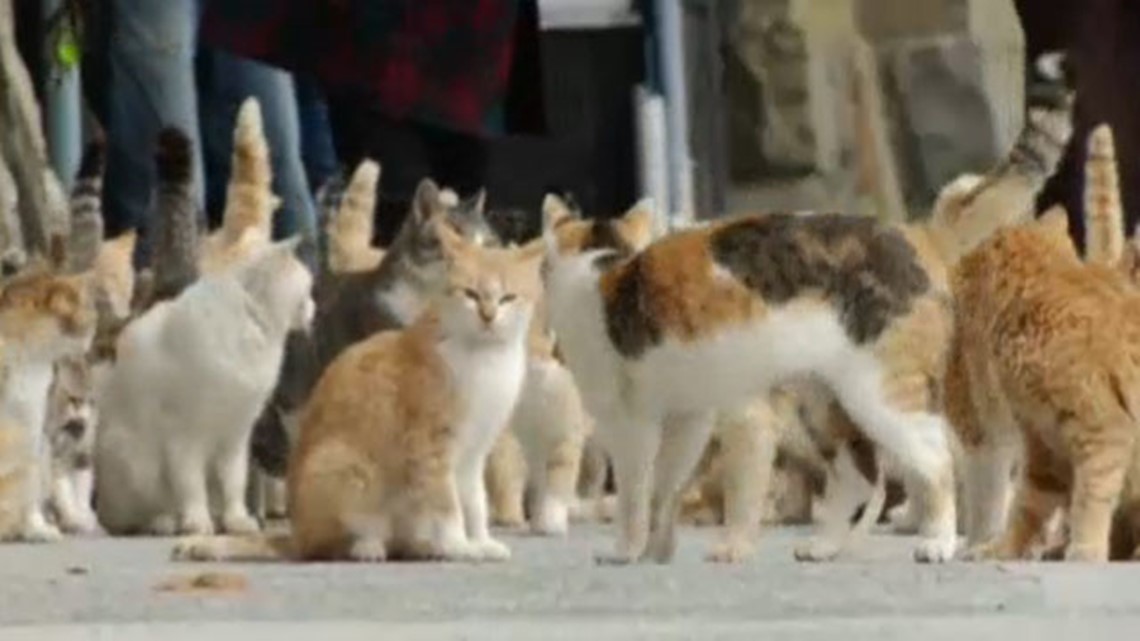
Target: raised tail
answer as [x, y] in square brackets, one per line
[250, 201]
[250, 548]
[1006, 195]
[350, 229]
[1104, 215]
[175, 240]
[87, 207]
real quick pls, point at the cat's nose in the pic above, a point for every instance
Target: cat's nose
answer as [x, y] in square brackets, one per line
[486, 315]
[75, 428]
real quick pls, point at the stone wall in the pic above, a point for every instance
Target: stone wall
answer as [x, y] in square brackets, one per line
[867, 105]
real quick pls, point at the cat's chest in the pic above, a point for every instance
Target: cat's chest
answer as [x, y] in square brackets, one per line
[487, 381]
[25, 390]
[402, 301]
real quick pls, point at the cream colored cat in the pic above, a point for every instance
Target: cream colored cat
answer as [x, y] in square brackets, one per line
[394, 439]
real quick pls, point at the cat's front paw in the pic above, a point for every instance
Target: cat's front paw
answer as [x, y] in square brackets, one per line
[553, 519]
[38, 530]
[240, 524]
[370, 550]
[1086, 553]
[936, 549]
[491, 550]
[195, 549]
[731, 550]
[83, 523]
[817, 550]
[196, 524]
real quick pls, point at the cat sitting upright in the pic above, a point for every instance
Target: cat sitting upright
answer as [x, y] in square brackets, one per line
[393, 441]
[178, 407]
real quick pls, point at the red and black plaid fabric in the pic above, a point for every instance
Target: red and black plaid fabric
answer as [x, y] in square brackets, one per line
[444, 62]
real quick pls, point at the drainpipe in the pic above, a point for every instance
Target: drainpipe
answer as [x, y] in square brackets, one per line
[669, 29]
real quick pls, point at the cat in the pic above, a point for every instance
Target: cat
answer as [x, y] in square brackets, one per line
[247, 221]
[70, 431]
[176, 238]
[190, 377]
[350, 230]
[44, 316]
[12, 254]
[392, 444]
[351, 307]
[550, 422]
[1047, 352]
[86, 231]
[705, 319]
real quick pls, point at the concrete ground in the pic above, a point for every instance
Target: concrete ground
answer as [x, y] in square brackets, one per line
[552, 590]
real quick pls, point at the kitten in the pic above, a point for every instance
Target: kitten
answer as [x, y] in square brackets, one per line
[705, 319]
[1046, 351]
[349, 231]
[178, 407]
[44, 317]
[550, 423]
[70, 429]
[394, 439]
[247, 221]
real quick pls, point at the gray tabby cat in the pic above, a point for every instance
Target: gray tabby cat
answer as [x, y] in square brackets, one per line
[86, 207]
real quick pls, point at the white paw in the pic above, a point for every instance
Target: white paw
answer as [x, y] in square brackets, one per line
[491, 550]
[38, 530]
[817, 550]
[368, 551]
[240, 524]
[937, 549]
[552, 520]
[196, 524]
[730, 551]
[163, 525]
[83, 523]
[195, 549]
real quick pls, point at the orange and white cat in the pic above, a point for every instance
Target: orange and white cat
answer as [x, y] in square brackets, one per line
[349, 229]
[393, 441]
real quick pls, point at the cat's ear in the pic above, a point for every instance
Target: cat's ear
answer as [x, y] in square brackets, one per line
[1055, 221]
[426, 202]
[534, 250]
[556, 211]
[451, 241]
[637, 223]
[475, 204]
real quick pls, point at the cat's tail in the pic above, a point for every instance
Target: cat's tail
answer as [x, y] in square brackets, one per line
[249, 548]
[351, 228]
[1104, 215]
[1006, 195]
[87, 207]
[250, 201]
[175, 240]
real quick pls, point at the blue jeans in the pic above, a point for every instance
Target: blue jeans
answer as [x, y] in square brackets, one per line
[151, 85]
[226, 81]
[317, 149]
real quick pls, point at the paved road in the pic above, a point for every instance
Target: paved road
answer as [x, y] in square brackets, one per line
[551, 590]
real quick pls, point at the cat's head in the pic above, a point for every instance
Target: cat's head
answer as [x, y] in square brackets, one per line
[624, 235]
[115, 275]
[490, 293]
[279, 281]
[48, 314]
[72, 415]
[417, 247]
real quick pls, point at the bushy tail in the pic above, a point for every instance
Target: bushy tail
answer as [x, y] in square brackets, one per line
[349, 231]
[175, 239]
[250, 201]
[252, 548]
[1006, 195]
[87, 207]
[1104, 215]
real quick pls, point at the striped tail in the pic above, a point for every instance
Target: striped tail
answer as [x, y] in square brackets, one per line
[251, 548]
[175, 246]
[1104, 215]
[87, 207]
[350, 230]
[250, 201]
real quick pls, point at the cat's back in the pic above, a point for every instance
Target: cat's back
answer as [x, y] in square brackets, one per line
[349, 308]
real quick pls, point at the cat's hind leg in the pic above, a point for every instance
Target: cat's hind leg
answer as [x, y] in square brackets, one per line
[552, 506]
[506, 481]
[683, 440]
[748, 444]
[845, 491]
[987, 483]
[632, 444]
[230, 469]
[186, 475]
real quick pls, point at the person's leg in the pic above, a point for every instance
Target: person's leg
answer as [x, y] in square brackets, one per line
[457, 160]
[232, 79]
[151, 54]
[317, 152]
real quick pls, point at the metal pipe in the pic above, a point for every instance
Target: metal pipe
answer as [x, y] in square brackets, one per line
[671, 53]
[62, 98]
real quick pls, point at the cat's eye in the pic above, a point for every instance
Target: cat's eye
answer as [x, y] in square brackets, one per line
[472, 294]
[507, 298]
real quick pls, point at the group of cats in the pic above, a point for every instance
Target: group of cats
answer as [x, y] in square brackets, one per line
[414, 395]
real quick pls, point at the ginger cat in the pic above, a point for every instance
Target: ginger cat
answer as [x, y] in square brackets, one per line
[393, 441]
[350, 228]
[705, 319]
[247, 221]
[44, 317]
[1046, 355]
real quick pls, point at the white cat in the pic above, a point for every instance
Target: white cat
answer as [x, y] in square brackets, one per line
[192, 375]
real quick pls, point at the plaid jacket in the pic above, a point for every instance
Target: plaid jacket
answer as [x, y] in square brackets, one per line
[445, 62]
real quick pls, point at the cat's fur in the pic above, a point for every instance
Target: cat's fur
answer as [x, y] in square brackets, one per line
[349, 231]
[12, 251]
[191, 376]
[393, 442]
[1104, 214]
[247, 221]
[71, 422]
[175, 236]
[44, 316]
[704, 319]
[86, 234]
[1046, 350]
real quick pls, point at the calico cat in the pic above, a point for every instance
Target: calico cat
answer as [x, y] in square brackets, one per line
[247, 221]
[190, 377]
[349, 231]
[1046, 353]
[393, 441]
[44, 317]
[750, 302]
